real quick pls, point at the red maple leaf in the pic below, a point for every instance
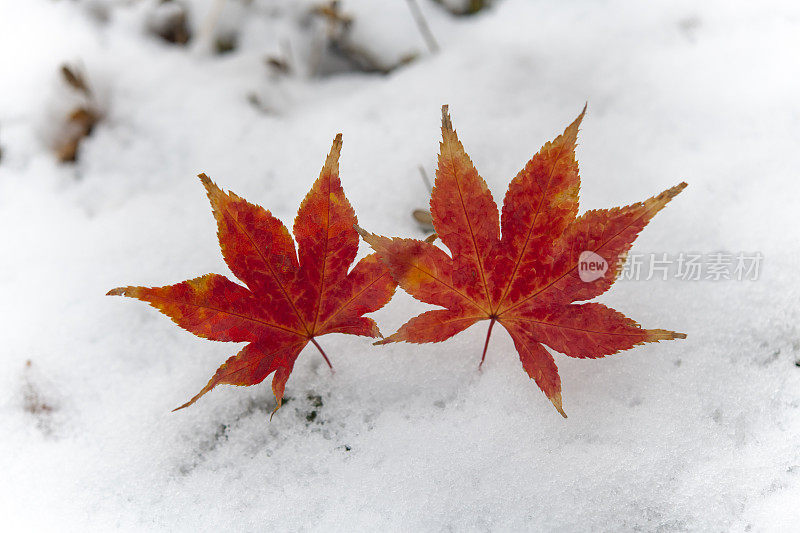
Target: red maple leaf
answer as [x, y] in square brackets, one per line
[527, 278]
[291, 298]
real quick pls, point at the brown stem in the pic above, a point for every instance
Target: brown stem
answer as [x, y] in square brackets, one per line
[486, 345]
[322, 352]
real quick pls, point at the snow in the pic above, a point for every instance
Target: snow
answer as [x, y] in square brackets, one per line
[701, 434]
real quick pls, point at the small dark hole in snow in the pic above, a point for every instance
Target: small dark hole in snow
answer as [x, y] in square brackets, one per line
[315, 399]
[226, 43]
[169, 20]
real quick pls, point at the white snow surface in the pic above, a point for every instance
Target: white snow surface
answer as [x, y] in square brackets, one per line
[700, 434]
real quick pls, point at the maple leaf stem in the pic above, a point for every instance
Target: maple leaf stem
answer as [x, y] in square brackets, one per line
[486, 344]
[322, 352]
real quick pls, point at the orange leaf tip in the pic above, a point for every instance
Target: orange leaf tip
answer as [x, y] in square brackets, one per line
[664, 335]
[119, 291]
[332, 161]
[571, 133]
[369, 238]
[447, 124]
[556, 400]
[213, 192]
[361, 231]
